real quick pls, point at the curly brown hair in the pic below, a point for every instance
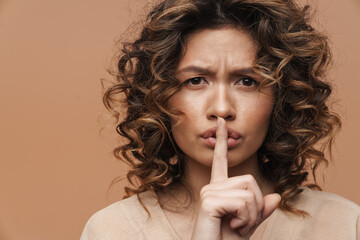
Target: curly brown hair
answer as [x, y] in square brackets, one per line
[292, 56]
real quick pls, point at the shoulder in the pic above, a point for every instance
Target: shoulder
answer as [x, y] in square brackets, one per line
[120, 220]
[329, 216]
[316, 202]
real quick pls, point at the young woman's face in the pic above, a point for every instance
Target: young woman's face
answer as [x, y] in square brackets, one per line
[218, 81]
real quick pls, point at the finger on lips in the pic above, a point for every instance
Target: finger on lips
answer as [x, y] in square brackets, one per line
[219, 169]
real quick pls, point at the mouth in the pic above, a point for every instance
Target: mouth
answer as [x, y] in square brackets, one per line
[211, 132]
[210, 137]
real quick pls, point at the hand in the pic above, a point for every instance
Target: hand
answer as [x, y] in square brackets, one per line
[230, 208]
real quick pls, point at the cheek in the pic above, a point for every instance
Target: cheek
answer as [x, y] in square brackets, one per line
[190, 106]
[186, 122]
[184, 132]
[257, 115]
[183, 123]
[262, 114]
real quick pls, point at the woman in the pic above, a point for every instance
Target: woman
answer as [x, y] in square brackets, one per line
[227, 113]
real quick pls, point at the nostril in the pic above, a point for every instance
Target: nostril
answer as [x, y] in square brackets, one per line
[229, 117]
[213, 117]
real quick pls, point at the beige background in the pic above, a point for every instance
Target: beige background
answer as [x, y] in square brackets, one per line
[55, 165]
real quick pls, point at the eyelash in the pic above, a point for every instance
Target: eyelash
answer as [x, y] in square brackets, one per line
[253, 81]
[189, 81]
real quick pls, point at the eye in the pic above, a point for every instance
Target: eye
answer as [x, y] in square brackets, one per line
[195, 81]
[247, 82]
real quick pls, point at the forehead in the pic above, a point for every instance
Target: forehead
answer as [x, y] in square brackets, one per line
[210, 46]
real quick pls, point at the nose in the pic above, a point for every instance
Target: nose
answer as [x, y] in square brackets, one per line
[221, 104]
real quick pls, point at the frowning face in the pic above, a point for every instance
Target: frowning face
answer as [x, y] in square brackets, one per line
[218, 81]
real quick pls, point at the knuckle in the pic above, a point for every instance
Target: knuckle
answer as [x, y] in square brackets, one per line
[250, 196]
[250, 179]
[208, 205]
[241, 206]
[204, 191]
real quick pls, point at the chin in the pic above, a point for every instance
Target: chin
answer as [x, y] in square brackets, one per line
[235, 163]
[234, 160]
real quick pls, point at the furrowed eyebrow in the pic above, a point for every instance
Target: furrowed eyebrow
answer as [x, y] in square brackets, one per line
[201, 70]
[194, 69]
[245, 71]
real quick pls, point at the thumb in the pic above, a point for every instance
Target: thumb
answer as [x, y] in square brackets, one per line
[271, 202]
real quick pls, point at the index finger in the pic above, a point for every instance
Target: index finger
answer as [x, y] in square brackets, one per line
[219, 169]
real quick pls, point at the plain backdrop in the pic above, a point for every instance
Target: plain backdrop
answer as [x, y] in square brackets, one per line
[55, 136]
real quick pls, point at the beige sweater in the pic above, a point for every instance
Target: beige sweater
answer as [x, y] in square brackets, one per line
[331, 217]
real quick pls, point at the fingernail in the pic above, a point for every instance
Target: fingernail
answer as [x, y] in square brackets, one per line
[220, 121]
[279, 196]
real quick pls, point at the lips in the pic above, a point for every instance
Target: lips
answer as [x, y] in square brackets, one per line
[210, 137]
